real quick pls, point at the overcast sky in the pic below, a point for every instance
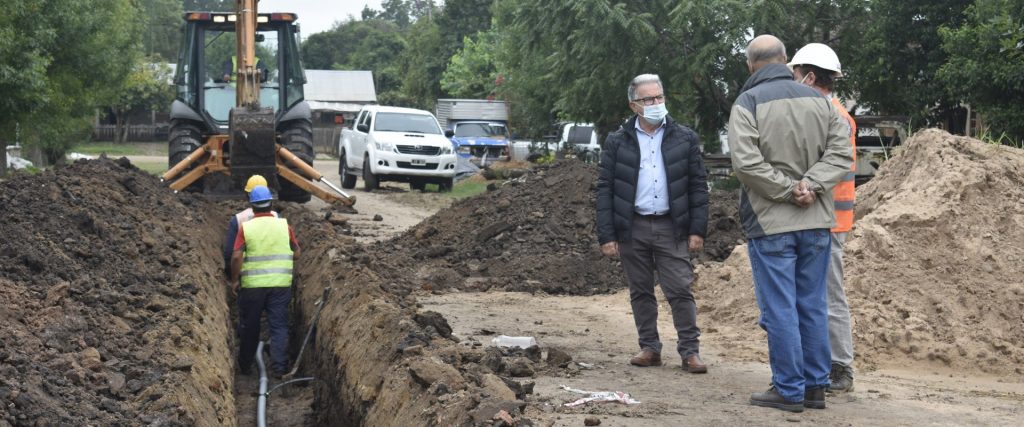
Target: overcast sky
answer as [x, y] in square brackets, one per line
[318, 15]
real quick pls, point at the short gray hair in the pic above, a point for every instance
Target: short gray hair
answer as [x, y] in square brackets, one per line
[639, 80]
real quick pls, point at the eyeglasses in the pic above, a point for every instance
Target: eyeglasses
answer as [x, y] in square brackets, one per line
[650, 100]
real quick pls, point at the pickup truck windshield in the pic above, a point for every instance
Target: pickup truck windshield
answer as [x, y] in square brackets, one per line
[402, 122]
[480, 130]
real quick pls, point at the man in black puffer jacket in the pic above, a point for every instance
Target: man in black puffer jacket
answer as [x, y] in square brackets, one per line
[652, 211]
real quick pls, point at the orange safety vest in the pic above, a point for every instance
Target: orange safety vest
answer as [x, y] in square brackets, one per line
[844, 193]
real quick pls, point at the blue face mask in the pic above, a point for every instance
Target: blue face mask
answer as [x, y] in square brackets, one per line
[654, 114]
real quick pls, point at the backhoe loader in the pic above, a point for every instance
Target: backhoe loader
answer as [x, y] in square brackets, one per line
[240, 108]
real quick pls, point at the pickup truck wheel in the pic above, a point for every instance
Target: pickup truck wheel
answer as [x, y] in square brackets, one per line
[370, 182]
[347, 179]
[446, 184]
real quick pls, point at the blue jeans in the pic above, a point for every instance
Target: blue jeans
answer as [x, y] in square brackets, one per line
[790, 271]
[251, 304]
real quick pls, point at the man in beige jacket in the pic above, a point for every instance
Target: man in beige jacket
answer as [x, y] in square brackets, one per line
[789, 147]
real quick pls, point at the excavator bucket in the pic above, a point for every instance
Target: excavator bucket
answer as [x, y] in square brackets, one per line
[252, 148]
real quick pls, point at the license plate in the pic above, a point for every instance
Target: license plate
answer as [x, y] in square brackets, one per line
[419, 162]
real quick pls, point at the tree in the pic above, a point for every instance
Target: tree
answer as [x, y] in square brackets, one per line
[574, 60]
[67, 57]
[147, 88]
[471, 73]
[210, 5]
[375, 45]
[23, 64]
[900, 54]
[422, 65]
[162, 21]
[986, 64]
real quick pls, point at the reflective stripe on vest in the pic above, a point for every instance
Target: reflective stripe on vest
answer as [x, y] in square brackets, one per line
[844, 193]
[268, 253]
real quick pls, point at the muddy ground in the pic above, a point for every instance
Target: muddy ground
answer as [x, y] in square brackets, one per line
[114, 312]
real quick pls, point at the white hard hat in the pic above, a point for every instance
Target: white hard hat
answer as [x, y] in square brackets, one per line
[818, 55]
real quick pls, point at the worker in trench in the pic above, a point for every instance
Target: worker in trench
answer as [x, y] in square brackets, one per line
[262, 267]
[239, 218]
[652, 213]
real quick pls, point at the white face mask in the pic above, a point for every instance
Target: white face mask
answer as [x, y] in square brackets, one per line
[654, 114]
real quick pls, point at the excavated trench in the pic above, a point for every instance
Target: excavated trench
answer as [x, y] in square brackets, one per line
[113, 309]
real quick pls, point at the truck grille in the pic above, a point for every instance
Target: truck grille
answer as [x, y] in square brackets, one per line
[407, 165]
[424, 150]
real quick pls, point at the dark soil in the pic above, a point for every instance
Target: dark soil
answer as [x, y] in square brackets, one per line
[532, 234]
[105, 307]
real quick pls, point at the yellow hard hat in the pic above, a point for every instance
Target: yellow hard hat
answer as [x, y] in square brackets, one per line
[254, 181]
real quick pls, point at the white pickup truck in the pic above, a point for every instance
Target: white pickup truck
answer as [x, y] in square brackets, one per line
[396, 144]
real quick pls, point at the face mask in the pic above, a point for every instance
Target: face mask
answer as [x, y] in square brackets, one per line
[805, 78]
[655, 113]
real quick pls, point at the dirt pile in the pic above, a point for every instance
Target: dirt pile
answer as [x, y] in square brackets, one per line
[934, 264]
[383, 361]
[106, 315]
[535, 233]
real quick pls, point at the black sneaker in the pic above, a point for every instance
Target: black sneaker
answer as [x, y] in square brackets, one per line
[841, 378]
[815, 398]
[772, 399]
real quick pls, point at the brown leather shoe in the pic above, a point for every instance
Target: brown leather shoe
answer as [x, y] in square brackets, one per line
[694, 365]
[645, 358]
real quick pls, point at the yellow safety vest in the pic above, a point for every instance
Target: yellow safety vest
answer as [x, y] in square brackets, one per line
[234, 67]
[268, 253]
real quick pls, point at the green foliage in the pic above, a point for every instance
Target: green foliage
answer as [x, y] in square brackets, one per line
[375, 45]
[471, 72]
[986, 64]
[894, 65]
[574, 60]
[210, 5]
[63, 59]
[146, 88]
[161, 29]
[422, 65]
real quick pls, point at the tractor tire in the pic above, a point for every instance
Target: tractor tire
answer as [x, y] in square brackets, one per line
[348, 181]
[297, 137]
[184, 138]
[370, 181]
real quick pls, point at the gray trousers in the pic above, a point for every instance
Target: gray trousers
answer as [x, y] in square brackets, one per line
[840, 334]
[654, 248]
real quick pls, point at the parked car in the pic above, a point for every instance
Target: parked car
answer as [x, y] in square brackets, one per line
[479, 126]
[396, 144]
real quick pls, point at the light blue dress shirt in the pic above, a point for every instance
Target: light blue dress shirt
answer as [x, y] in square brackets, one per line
[651, 184]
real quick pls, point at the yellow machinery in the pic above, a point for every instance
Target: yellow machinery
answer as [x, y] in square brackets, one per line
[237, 114]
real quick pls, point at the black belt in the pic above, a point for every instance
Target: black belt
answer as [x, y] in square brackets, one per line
[664, 215]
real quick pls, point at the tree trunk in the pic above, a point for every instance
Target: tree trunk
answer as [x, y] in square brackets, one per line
[118, 127]
[3, 157]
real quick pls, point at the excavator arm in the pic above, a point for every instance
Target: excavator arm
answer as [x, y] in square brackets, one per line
[252, 145]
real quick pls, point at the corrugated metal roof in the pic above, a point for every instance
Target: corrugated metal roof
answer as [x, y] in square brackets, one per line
[340, 86]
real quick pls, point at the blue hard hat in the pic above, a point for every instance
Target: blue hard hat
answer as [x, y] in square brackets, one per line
[260, 196]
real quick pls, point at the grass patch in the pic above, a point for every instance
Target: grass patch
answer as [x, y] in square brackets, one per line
[127, 149]
[463, 189]
[153, 168]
